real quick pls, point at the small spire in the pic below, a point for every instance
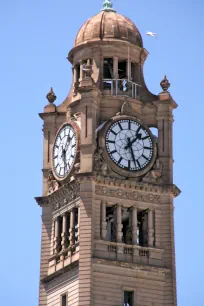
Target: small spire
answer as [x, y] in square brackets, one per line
[165, 84]
[51, 96]
[107, 6]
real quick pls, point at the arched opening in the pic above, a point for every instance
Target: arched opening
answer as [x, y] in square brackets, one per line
[154, 131]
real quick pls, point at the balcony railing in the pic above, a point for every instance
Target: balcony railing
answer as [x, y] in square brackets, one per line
[120, 87]
[128, 253]
[64, 258]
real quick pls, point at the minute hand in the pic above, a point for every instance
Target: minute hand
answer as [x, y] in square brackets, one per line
[131, 142]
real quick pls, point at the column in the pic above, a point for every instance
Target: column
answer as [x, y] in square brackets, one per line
[128, 69]
[150, 228]
[74, 75]
[64, 233]
[71, 229]
[81, 72]
[115, 67]
[103, 221]
[119, 225]
[134, 225]
[56, 238]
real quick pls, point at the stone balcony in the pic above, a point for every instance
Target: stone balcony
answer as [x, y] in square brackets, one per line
[128, 253]
[120, 87]
[63, 259]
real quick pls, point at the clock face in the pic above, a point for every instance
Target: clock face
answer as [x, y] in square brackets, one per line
[64, 151]
[129, 145]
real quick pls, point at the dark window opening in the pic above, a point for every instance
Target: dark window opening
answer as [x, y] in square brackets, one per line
[67, 242]
[142, 218]
[76, 229]
[128, 298]
[78, 73]
[64, 300]
[122, 69]
[59, 234]
[108, 68]
[110, 223]
[107, 73]
[126, 229]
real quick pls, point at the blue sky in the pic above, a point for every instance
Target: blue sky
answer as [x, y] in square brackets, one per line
[35, 39]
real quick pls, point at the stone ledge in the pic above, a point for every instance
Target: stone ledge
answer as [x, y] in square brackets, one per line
[128, 253]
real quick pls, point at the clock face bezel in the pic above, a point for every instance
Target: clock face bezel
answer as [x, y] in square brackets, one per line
[76, 130]
[106, 155]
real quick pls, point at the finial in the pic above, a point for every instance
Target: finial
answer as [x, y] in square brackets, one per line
[51, 96]
[165, 84]
[107, 6]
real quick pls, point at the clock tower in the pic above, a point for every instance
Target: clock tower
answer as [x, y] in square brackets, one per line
[107, 203]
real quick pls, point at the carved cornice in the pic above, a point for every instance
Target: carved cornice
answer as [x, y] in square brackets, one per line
[42, 201]
[175, 191]
[110, 187]
[67, 193]
[127, 194]
[130, 186]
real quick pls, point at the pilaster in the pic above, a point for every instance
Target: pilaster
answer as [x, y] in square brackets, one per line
[86, 242]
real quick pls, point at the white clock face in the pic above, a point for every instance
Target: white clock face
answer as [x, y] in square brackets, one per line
[129, 145]
[64, 151]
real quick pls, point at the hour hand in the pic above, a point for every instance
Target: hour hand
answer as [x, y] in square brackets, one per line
[68, 142]
[133, 156]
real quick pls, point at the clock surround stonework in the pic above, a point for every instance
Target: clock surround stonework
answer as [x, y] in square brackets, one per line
[106, 237]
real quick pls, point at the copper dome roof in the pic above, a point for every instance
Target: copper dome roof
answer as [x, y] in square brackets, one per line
[107, 25]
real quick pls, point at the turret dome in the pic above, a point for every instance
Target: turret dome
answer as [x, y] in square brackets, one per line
[109, 25]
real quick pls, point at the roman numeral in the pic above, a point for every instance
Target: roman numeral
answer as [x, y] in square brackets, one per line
[138, 164]
[113, 132]
[129, 125]
[145, 137]
[120, 160]
[147, 148]
[111, 141]
[120, 126]
[57, 146]
[138, 130]
[112, 152]
[56, 156]
[74, 145]
[128, 164]
[144, 157]
[72, 156]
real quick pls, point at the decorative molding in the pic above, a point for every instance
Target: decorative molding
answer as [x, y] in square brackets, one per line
[138, 186]
[64, 195]
[118, 188]
[175, 191]
[126, 109]
[42, 201]
[127, 194]
[134, 266]
[53, 185]
[61, 197]
[100, 166]
[154, 176]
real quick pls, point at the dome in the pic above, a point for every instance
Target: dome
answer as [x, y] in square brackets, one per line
[109, 25]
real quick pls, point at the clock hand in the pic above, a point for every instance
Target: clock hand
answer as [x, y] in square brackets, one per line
[131, 150]
[138, 136]
[64, 156]
[67, 142]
